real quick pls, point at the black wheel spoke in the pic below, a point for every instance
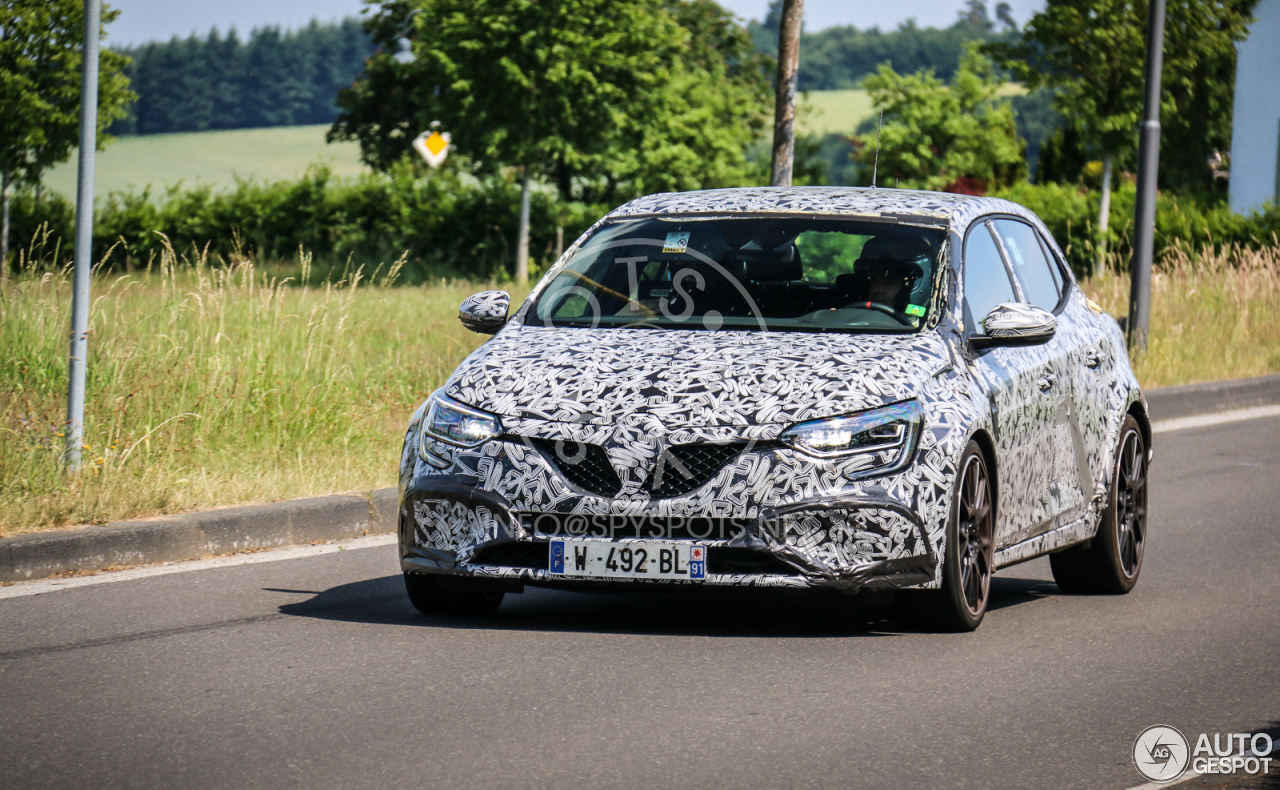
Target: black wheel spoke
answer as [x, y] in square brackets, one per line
[981, 514]
[974, 517]
[1131, 502]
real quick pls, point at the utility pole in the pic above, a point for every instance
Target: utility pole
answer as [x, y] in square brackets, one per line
[84, 234]
[784, 117]
[1144, 220]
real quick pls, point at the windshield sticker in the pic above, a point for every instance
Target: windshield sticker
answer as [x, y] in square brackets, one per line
[676, 241]
[915, 309]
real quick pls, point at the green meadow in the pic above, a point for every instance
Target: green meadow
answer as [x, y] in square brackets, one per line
[130, 164]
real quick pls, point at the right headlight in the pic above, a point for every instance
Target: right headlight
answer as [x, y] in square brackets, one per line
[449, 424]
[887, 434]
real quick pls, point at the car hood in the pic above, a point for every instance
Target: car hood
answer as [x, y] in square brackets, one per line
[691, 378]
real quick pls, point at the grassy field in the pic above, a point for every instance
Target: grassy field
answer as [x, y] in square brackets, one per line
[215, 383]
[129, 164]
[821, 112]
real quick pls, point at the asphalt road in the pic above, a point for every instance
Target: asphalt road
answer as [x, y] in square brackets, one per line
[316, 673]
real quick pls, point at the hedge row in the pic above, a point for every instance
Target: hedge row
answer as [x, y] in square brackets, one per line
[455, 224]
[447, 223]
[1071, 214]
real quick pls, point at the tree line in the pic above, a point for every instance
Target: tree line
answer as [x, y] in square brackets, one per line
[286, 78]
[272, 78]
[839, 57]
[602, 100]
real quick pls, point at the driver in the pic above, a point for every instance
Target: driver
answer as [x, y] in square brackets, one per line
[889, 267]
[888, 284]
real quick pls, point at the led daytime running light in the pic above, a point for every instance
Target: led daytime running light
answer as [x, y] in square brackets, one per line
[878, 430]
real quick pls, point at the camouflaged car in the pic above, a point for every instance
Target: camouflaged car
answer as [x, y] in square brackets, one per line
[784, 388]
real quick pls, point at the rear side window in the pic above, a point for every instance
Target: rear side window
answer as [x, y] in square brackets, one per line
[1040, 282]
[986, 281]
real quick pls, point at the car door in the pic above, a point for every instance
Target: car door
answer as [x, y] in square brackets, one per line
[1022, 414]
[1043, 284]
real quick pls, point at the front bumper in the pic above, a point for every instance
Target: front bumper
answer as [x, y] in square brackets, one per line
[453, 524]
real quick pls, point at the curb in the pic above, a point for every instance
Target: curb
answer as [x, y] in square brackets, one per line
[1169, 403]
[189, 536]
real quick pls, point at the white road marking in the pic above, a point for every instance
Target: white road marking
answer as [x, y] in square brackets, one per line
[1204, 420]
[40, 586]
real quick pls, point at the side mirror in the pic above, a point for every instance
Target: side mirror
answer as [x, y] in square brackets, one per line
[1016, 325]
[485, 312]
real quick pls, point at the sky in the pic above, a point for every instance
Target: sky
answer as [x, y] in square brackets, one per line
[147, 20]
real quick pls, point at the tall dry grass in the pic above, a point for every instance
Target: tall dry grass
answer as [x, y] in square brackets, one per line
[1215, 315]
[213, 383]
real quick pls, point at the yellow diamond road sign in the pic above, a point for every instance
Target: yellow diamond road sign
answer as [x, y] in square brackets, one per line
[432, 146]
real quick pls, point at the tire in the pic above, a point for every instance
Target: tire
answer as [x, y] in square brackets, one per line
[427, 597]
[968, 556]
[1109, 564]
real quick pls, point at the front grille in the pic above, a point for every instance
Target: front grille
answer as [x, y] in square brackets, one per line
[680, 469]
[515, 554]
[585, 465]
[686, 467]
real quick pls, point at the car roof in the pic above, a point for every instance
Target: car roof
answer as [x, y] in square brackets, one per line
[941, 208]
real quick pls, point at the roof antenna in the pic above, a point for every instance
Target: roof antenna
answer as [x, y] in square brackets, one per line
[876, 166]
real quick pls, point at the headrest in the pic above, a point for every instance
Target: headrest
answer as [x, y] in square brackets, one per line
[780, 263]
[896, 248]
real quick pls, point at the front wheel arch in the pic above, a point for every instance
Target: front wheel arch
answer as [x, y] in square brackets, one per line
[1139, 415]
[988, 448]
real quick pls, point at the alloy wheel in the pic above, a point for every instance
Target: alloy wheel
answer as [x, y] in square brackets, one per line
[1131, 502]
[974, 534]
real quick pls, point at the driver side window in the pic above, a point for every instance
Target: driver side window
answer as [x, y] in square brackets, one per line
[986, 280]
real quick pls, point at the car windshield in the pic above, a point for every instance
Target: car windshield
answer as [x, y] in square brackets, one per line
[747, 273]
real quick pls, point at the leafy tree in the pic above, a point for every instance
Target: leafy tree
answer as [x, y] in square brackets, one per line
[958, 137]
[764, 33]
[41, 52]
[975, 16]
[608, 97]
[1092, 53]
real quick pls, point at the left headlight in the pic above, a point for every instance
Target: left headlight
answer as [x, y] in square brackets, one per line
[889, 434]
[451, 424]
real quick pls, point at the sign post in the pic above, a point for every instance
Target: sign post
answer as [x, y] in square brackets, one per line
[84, 234]
[1144, 220]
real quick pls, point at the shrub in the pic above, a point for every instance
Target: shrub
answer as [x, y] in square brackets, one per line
[447, 223]
[1183, 222]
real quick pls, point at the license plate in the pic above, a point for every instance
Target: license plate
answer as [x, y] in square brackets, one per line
[632, 559]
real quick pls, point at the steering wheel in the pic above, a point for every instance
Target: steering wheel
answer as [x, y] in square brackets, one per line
[888, 310]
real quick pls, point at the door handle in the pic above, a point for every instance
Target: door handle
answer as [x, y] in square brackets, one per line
[1093, 358]
[1046, 381]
